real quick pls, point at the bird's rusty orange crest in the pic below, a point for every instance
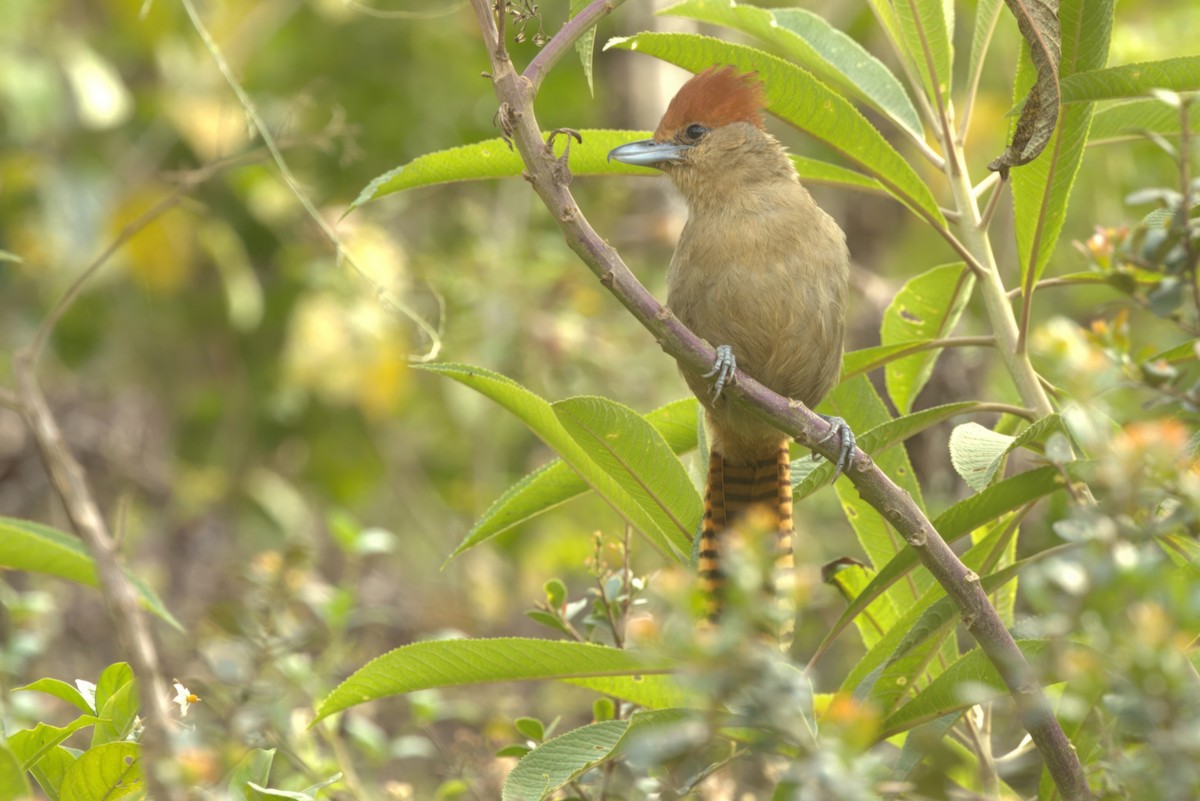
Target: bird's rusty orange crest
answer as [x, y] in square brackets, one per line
[718, 96]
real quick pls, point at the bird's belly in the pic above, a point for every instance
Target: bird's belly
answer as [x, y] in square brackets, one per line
[784, 331]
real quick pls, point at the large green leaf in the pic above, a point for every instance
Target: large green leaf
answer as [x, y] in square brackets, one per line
[859, 404]
[946, 693]
[1120, 122]
[928, 307]
[12, 776]
[52, 768]
[890, 669]
[453, 663]
[104, 773]
[925, 28]
[555, 483]
[30, 745]
[539, 415]
[1130, 80]
[637, 457]
[808, 40]
[29, 546]
[1042, 188]
[60, 689]
[851, 578]
[959, 520]
[795, 96]
[493, 158]
[987, 14]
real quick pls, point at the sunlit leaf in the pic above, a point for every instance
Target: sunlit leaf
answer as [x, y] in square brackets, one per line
[585, 45]
[104, 773]
[925, 28]
[12, 776]
[1122, 122]
[973, 673]
[978, 453]
[29, 546]
[539, 416]
[928, 307]
[637, 457]
[1130, 80]
[453, 663]
[30, 745]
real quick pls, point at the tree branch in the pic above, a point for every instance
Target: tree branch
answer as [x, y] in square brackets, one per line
[549, 179]
[563, 40]
[118, 591]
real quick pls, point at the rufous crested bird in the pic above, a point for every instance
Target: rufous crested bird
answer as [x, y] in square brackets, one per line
[761, 272]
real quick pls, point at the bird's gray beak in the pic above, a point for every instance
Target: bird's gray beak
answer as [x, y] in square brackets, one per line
[648, 153]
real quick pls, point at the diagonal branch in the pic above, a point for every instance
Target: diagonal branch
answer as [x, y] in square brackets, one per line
[550, 179]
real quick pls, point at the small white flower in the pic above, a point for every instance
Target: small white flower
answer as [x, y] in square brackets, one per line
[185, 698]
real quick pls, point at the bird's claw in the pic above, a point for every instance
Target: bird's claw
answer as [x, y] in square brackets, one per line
[724, 368]
[841, 429]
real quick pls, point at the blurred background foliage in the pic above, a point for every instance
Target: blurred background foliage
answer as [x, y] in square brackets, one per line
[245, 405]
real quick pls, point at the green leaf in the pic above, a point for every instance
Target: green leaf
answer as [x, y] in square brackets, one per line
[253, 767]
[812, 43]
[12, 776]
[928, 307]
[978, 453]
[104, 773]
[1130, 80]
[959, 520]
[539, 416]
[959, 687]
[32, 547]
[797, 97]
[859, 404]
[879, 617]
[60, 689]
[987, 14]
[925, 28]
[637, 457]
[1122, 122]
[118, 715]
[563, 759]
[554, 483]
[530, 728]
[453, 663]
[1042, 188]
[1044, 44]
[31, 745]
[585, 45]
[113, 678]
[917, 742]
[51, 769]
[890, 669]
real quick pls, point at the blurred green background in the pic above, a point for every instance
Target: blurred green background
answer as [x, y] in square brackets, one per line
[245, 404]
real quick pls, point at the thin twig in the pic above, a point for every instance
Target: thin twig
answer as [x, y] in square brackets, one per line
[386, 298]
[987, 183]
[126, 233]
[70, 484]
[562, 41]
[973, 79]
[791, 417]
[1050, 283]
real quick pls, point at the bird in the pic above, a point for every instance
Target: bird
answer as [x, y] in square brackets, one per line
[761, 272]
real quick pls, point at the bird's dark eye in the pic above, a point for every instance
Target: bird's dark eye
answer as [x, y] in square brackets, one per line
[694, 132]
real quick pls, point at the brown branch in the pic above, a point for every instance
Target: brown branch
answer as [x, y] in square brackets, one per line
[119, 595]
[548, 178]
[565, 38]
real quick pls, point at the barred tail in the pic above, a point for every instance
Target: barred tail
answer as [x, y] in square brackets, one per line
[732, 490]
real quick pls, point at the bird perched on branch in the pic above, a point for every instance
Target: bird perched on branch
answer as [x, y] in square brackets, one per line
[761, 272]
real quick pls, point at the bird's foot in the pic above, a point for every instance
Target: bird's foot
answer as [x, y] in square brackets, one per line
[841, 429]
[724, 368]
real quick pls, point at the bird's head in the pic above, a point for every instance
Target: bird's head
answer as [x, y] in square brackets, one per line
[712, 132]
